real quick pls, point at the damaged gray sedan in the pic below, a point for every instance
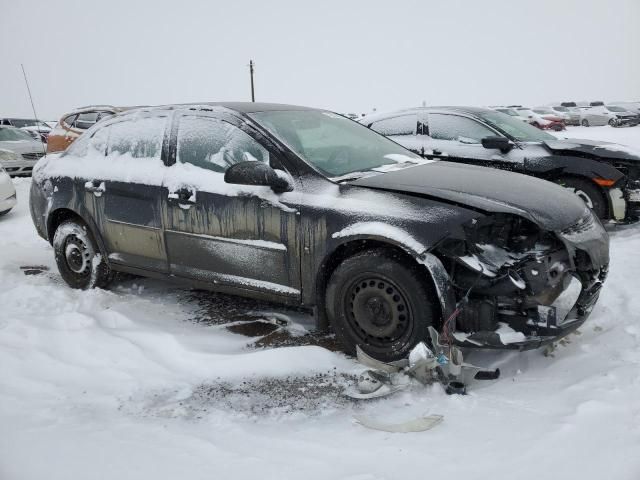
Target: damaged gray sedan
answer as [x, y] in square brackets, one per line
[308, 208]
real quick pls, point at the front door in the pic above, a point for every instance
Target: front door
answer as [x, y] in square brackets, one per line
[458, 138]
[232, 235]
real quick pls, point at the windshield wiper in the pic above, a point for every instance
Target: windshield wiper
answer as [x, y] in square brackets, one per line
[348, 177]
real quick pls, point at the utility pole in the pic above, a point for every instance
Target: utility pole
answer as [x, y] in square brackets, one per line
[253, 96]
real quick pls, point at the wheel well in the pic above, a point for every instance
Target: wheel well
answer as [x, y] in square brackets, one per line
[349, 249]
[603, 195]
[57, 217]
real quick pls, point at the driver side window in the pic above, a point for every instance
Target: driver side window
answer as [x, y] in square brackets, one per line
[215, 145]
[457, 128]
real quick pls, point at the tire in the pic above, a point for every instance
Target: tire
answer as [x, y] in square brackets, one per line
[589, 193]
[79, 260]
[380, 302]
[613, 123]
[585, 123]
[4, 212]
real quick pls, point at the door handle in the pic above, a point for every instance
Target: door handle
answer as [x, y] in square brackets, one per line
[95, 187]
[183, 197]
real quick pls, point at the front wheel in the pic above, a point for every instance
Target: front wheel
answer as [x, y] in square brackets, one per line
[589, 193]
[613, 123]
[78, 257]
[380, 302]
[585, 123]
[4, 212]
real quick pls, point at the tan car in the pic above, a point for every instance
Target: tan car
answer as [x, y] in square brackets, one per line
[73, 124]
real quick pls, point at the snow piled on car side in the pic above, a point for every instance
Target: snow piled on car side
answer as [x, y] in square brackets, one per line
[103, 384]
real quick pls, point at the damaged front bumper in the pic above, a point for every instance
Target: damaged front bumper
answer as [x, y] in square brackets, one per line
[523, 294]
[538, 331]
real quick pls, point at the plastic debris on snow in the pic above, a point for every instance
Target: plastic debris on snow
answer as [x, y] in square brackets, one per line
[421, 365]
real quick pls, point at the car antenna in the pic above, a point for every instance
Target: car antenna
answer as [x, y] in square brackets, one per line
[33, 107]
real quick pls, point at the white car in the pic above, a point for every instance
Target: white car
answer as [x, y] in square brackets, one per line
[7, 192]
[541, 120]
[607, 115]
[37, 129]
[19, 152]
[511, 112]
[571, 115]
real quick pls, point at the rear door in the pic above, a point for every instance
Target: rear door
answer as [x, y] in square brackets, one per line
[128, 192]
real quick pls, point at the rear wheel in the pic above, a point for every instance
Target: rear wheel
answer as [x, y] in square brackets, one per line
[79, 260]
[585, 123]
[379, 301]
[589, 193]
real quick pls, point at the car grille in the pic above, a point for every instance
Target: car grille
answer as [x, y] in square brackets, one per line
[33, 156]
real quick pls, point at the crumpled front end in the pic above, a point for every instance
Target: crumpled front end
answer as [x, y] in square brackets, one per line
[517, 286]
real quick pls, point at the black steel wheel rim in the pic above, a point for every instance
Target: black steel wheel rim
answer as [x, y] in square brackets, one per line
[77, 256]
[377, 311]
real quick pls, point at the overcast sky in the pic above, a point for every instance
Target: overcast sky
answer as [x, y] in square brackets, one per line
[348, 56]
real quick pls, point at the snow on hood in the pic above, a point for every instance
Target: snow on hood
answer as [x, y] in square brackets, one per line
[495, 191]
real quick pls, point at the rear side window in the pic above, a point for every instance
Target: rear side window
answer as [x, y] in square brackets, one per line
[86, 120]
[216, 145]
[403, 125]
[104, 115]
[94, 144]
[70, 120]
[454, 127]
[139, 137]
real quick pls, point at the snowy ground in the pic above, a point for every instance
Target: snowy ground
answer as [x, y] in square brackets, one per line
[145, 381]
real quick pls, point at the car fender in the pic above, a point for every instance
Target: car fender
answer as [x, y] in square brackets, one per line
[399, 237]
[57, 202]
[555, 166]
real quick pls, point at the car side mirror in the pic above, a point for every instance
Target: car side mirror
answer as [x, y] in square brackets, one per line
[497, 143]
[256, 173]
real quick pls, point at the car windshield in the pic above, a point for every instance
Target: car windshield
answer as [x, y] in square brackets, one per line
[517, 130]
[336, 146]
[615, 109]
[561, 109]
[13, 134]
[543, 111]
[23, 122]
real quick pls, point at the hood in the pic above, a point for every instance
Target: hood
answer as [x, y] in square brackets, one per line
[493, 191]
[23, 146]
[594, 149]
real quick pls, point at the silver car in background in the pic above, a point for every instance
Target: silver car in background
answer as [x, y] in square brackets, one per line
[19, 151]
[608, 115]
[7, 192]
[571, 115]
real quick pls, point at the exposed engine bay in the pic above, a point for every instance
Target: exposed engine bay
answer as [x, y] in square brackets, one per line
[517, 286]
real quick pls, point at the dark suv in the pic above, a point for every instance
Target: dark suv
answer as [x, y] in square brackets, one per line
[307, 207]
